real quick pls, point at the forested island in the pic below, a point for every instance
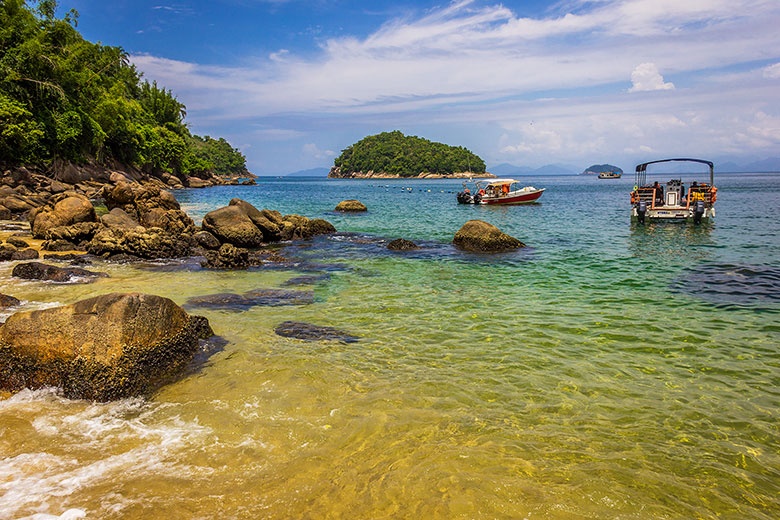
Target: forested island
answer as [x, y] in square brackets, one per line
[66, 102]
[601, 168]
[395, 155]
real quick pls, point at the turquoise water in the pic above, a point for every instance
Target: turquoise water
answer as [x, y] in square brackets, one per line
[606, 371]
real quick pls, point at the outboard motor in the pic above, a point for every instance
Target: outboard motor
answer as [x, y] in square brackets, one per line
[641, 210]
[477, 198]
[698, 212]
[464, 197]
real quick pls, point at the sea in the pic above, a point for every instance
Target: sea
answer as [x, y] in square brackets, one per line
[608, 370]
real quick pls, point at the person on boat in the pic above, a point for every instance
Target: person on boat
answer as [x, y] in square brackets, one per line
[659, 192]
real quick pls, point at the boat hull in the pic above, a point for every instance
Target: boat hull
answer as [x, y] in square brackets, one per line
[517, 197]
[673, 214]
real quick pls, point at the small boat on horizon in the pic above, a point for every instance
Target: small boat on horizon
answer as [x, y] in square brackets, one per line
[610, 175]
[498, 191]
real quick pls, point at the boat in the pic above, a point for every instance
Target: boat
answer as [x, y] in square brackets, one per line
[498, 191]
[674, 200]
[610, 175]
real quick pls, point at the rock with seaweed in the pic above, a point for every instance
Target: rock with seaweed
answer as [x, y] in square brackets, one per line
[103, 348]
[481, 237]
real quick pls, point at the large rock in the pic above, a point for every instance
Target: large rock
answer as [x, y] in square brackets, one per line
[118, 218]
[8, 301]
[103, 348]
[142, 242]
[69, 209]
[351, 206]
[481, 237]
[231, 224]
[227, 257]
[268, 226]
[39, 271]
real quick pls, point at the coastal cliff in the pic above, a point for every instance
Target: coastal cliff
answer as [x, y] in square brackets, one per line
[337, 173]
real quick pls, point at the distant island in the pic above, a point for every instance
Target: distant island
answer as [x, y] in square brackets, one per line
[601, 168]
[393, 155]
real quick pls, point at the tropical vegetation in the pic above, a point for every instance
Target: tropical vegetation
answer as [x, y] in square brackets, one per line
[407, 156]
[62, 97]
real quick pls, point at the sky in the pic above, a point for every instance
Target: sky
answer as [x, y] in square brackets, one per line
[293, 82]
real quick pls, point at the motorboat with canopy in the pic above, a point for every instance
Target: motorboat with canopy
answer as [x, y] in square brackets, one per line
[498, 191]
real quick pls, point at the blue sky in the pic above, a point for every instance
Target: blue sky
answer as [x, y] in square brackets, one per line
[292, 82]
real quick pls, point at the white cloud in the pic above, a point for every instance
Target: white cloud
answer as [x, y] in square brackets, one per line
[772, 71]
[313, 150]
[646, 77]
[469, 62]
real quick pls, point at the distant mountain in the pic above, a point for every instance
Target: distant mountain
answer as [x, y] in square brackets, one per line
[311, 172]
[727, 167]
[507, 170]
[767, 165]
[601, 168]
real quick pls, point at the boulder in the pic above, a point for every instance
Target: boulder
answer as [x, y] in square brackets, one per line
[118, 218]
[231, 224]
[206, 240]
[269, 227]
[24, 254]
[141, 242]
[8, 301]
[227, 257]
[351, 206]
[17, 242]
[59, 245]
[39, 271]
[481, 237]
[5, 213]
[318, 226]
[172, 220]
[194, 182]
[401, 244]
[68, 209]
[75, 233]
[106, 347]
[59, 187]
[16, 204]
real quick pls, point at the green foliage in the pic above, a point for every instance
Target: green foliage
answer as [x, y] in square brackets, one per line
[64, 97]
[407, 156]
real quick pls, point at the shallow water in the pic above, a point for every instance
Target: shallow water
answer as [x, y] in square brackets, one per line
[606, 371]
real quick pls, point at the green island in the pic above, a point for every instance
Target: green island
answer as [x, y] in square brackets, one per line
[395, 155]
[65, 100]
[601, 168]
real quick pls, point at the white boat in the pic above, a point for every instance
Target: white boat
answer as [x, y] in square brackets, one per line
[498, 191]
[670, 201]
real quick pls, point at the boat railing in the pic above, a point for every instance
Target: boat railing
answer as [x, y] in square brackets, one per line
[644, 195]
[706, 193]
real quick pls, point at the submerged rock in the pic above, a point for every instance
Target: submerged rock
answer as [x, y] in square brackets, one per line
[309, 332]
[307, 279]
[17, 242]
[242, 302]
[401, 244]
[103, 348]
[8, 301]
[39, 271]
[229, 257]
[351, 206]
[481, 237]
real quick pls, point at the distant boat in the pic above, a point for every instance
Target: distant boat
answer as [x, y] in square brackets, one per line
[610, 175]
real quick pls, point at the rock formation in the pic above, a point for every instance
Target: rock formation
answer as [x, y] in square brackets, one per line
[480, 237]
[103, 348]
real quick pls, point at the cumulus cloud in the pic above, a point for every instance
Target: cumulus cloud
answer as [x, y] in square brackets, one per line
[646, 77]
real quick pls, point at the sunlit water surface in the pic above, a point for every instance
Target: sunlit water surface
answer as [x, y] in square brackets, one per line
[606, 371]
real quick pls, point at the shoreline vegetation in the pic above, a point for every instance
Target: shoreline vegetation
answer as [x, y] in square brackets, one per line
[76, 111]
[393, 155]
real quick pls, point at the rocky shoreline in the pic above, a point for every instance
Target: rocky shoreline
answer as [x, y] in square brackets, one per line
[336, 173]
[124, 344]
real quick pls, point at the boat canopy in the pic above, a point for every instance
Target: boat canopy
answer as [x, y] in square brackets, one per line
[500, 182]
[641, 169]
